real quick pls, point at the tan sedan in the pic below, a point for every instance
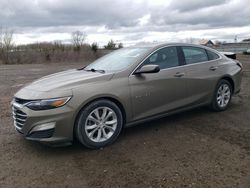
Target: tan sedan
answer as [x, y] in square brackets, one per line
[125, 87]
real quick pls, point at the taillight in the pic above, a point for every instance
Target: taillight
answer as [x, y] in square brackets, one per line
[239, 64]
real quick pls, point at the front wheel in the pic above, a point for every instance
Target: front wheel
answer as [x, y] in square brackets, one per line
[222, 96]
[99, 124]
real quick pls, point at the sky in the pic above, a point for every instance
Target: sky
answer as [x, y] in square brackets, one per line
[126, 21]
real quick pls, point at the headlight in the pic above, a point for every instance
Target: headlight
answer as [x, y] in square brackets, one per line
[47, 104]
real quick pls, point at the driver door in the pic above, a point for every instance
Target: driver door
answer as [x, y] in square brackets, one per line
[155, 93]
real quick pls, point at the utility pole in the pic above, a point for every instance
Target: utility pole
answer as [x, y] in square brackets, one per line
[235, 39]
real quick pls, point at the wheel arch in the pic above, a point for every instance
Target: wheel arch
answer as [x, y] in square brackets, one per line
[230, 80]
[110, 98]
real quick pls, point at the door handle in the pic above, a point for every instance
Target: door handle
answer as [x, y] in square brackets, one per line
[179, 74]
[213, 68]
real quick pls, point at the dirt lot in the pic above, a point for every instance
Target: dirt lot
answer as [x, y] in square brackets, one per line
[198, 148]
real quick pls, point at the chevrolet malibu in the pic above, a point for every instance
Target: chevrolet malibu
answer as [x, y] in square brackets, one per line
[128, 86]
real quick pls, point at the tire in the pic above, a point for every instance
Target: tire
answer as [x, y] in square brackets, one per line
[93, 129]
[222, 96]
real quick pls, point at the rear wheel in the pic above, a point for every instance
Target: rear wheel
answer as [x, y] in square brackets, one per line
[99, 124]
[222, 96]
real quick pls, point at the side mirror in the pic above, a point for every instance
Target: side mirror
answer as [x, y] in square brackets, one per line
[148, 69]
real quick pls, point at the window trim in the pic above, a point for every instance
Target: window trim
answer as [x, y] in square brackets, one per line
[183, 64]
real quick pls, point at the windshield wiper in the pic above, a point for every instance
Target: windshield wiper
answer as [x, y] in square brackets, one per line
[82, 68]
[95, 70]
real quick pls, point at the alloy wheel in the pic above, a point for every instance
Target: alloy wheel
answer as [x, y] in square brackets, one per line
[223, 95]
[101, 124]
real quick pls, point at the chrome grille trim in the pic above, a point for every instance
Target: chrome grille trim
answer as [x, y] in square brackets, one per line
[19, 116]
[17, 119]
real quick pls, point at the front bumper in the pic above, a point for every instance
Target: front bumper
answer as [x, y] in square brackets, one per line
[53, 126]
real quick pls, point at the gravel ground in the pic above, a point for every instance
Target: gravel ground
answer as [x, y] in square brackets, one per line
[198, 148]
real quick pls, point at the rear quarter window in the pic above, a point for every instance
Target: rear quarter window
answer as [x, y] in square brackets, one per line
[212, 55]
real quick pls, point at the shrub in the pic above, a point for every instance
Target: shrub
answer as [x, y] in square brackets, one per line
[120, 45]
[94, 47]
[111, 45]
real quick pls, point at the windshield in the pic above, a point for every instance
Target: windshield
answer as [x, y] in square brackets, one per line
[117, 60]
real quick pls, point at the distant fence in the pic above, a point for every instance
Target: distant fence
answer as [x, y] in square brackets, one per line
[233, 47]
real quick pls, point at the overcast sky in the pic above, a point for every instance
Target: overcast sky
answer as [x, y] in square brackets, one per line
[127, 21]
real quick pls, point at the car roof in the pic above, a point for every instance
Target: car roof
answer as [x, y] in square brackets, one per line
[159, 45]
[155, 46]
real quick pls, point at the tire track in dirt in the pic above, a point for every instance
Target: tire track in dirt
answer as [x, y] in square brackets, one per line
[106, 168]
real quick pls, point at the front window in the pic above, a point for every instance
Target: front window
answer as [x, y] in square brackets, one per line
[165, 58]
[118, 60]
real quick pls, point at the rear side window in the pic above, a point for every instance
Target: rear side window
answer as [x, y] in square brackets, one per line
[212, 55]
[194, 54]
[165, 58]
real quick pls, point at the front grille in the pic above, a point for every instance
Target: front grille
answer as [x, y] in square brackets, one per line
[42, 134]
[19, 117]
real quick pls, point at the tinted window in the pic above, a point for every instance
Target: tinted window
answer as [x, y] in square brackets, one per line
[165, 58]
[212, 55]
[194, 54]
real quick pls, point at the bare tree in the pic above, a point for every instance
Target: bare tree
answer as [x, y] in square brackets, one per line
[8, 39]
[1, 38]
[6, 44]
[78, 39]
[1, 44]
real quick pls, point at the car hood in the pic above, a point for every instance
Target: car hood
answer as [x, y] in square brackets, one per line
[67, 80]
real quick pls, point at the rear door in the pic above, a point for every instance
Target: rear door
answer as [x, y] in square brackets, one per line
[201, 73]
[155, 93]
